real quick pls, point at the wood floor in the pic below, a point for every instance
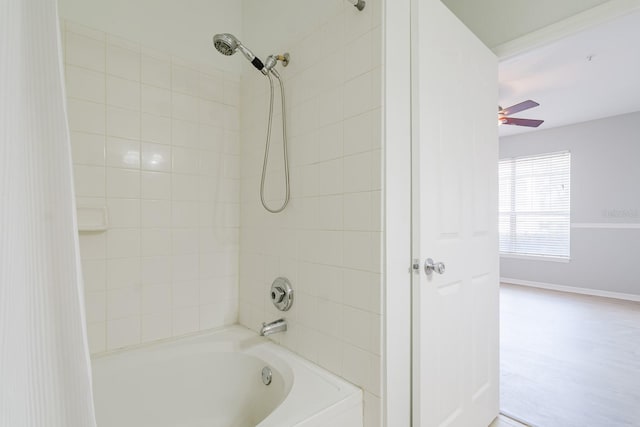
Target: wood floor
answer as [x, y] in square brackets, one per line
[503, 421]
[569, 360]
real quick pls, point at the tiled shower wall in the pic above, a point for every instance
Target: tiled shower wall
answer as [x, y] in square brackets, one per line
[155, 140]
[327, 242]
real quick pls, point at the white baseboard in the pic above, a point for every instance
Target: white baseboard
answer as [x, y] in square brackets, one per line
[572, 289]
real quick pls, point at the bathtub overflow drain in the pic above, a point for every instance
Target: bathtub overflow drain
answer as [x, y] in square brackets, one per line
[267, 375]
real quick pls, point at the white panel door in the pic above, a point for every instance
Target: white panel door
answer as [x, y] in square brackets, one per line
[455, 161]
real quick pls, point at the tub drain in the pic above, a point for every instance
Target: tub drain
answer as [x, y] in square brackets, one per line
[267, 375]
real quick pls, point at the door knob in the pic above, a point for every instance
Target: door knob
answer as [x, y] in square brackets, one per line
[430, 267]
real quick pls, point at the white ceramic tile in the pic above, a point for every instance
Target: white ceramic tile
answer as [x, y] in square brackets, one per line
[330, 141]
[372, 412]
[85, 84]
[358, 289]
[329, 283]
[122, 153]
[155, 185]
[93, 246]
[156, 101]
[123, 272]
[185, 187]
[358, 250]
[186, 134]
[123, 332]
[358, 134]
[156, 129]
[357, 95]
[184, 107]
[89, 181]
[155, 270]
[357, 364]
[96, 334]
[358, 175]
[156, 327]
[155, 241]
[330, 353]
[124, 213]
[185, 268]
[330, 212]
[357, 211]
[113, 40]
[185, 241]
[123, 123]
[88, 149]
[85, 116]
[331, 106]
[186, 160]
[94, 272]
[184, 214]
[357, 327]
[213, 138]
[185, 294]
[184, 80]
[83, 30]
[124, 242]
[357, 22]
[96, 306]
[231, 142]
[123, 302]
[123, 183]
[213, 87]
[86, 52]
[358, 56]
[331, 177]
[123, 93]
[156, 72]
[186, 320]
[156, 298]
[123, 62]
[155, 213]
[156, 157]
[212, 113]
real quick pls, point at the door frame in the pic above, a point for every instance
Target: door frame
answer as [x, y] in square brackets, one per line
[397, 319]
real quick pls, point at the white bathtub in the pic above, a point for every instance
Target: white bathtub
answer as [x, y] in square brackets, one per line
[214, 380]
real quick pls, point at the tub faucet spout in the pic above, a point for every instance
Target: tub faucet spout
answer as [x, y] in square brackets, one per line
[279, 325]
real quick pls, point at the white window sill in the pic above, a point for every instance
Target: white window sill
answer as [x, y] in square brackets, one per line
[536, 258]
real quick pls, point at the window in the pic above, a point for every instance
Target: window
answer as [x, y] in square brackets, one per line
[535, 205]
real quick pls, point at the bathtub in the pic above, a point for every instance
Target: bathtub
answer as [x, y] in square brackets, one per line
[215, 380]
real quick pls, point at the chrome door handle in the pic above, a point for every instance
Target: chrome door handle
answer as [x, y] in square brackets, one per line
[430, 267]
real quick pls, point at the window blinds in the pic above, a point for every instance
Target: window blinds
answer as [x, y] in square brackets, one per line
[535, 205]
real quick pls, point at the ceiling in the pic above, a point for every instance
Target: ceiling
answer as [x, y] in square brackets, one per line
[580, 58]
[497, 21]
[592, 74]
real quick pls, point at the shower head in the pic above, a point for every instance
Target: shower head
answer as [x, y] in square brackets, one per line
[228, 44]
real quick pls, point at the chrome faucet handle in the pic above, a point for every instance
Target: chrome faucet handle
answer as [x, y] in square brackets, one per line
[277, 294]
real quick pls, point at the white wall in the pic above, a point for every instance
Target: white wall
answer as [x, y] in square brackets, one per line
[496, 22]
[181, 28]
[605, 193]
[328, 240]
[155, 139]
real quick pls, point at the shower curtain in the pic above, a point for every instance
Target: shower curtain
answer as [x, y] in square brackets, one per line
[45, 378]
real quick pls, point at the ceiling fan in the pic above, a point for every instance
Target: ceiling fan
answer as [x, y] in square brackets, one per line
[504, 119]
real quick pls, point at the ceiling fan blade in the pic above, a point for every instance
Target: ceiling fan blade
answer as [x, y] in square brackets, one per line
[521, 122]
[519, 107]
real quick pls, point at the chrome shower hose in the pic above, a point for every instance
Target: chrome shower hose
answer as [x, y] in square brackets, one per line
[284, 148]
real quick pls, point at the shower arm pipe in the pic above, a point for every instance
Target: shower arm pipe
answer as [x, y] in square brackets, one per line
[358, 4]
[268, 143]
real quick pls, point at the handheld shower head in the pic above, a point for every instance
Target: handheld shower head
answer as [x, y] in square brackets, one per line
[228, 44]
